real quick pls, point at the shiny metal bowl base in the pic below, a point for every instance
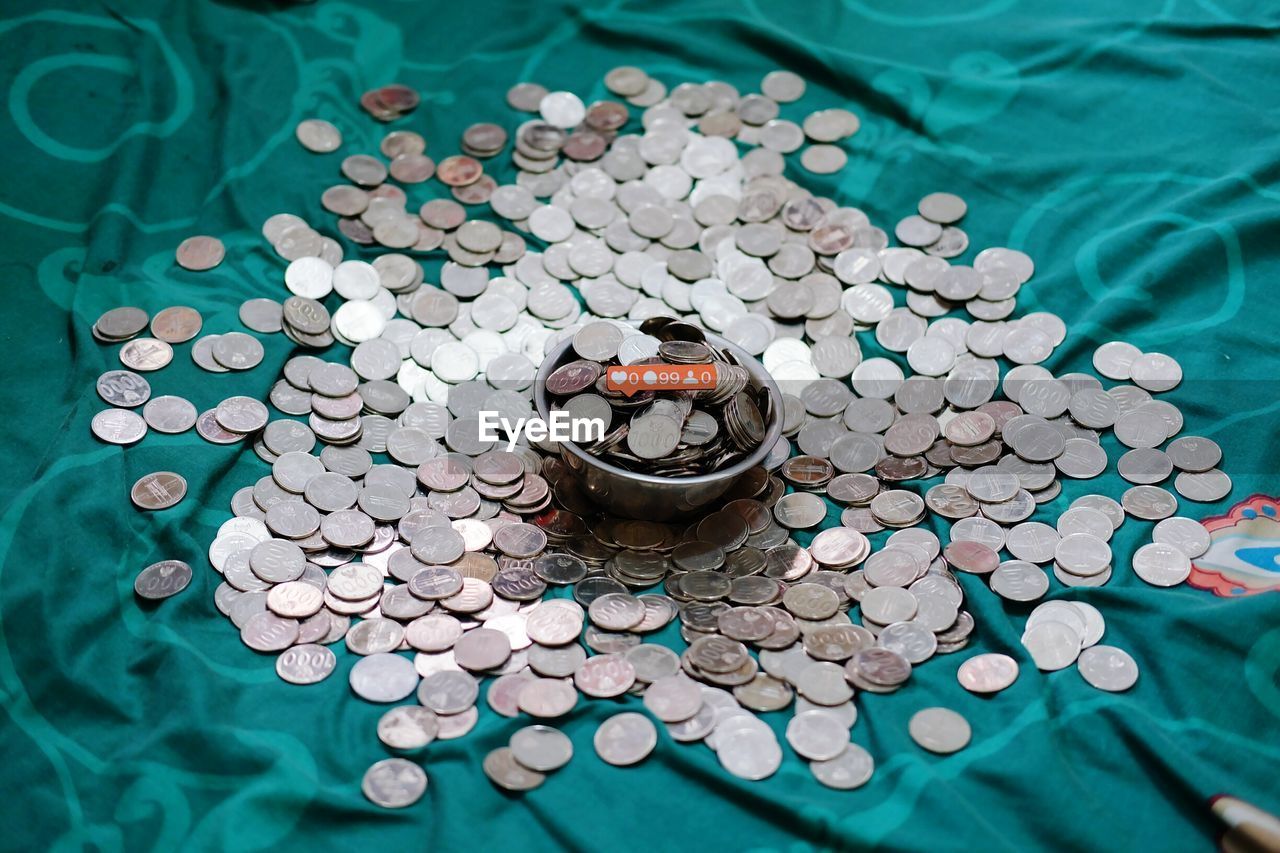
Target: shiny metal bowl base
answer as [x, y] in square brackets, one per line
[644, 496]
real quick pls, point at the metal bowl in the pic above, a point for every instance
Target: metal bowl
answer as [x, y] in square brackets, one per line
[645, 496]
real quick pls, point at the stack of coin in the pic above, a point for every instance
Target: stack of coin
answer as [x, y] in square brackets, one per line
[390, 102]
[667, 433]
[306, 322]
[119, 325]
[483, 140]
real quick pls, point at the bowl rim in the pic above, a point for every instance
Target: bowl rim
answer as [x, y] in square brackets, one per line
[773, 430]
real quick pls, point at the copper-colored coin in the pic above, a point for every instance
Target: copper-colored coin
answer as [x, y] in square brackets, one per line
[476, 192]
[398, 97]
[200, 253]
[573, 377]
[458, 171]
[443, 214]
[607, 115]
[585, 145]
[971, 557]
[177, 324]
[412, 168]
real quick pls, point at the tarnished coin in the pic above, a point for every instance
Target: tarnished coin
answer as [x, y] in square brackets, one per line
[262, 315]
[160, 490]
[176, 324]
[482, 649]
[120, 324]
[448, 691]
[200, 253]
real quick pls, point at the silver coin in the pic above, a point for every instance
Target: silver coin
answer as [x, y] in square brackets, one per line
[306, 664]
[1193, 453]
[547, 698]
[1206, 486]
[673, 699]
[747, 748]
[267, 632]
[851, 769]
[123, 388]
[1016, 580]
[146, 354]
[939, 730]
[119, 324]
[816, 736]
[987, 673]
[1186, 534]
[541, 748]
[1149, 502]
[383, 677]
[1161, 564]
[169, 414]
[1108, 668]
[318, 135]
[262, 315]
[162, 580]
[1052, 645]
[394, 783]
[408, 727]
[625, 739]
[118, 426]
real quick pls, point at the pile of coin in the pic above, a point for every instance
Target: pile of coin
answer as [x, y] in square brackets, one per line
[407, 532]
[390, 102]
[668, 433]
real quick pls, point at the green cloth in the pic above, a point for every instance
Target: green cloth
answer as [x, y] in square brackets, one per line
[1129, 148]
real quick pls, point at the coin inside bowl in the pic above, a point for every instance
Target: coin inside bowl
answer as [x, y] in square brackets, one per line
[655, 497]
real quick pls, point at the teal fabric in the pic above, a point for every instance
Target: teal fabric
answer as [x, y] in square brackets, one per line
[1129, 148]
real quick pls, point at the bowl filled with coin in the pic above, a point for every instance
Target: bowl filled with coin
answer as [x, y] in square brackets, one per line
[686, 416]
